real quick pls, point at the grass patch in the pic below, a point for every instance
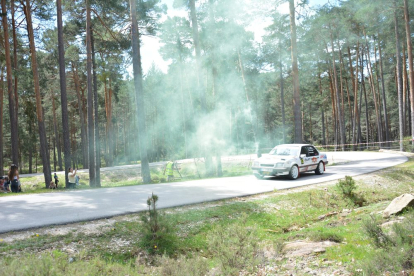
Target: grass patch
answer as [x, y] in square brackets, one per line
[394, 249]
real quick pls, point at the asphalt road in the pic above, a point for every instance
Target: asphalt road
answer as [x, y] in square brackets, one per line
[36, 210]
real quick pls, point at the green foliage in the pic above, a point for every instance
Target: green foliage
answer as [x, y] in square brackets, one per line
[375, 233]
[395, 249]
[325, 235]
[61, 264]
[158, 236]
[235, 246]
[347, 187]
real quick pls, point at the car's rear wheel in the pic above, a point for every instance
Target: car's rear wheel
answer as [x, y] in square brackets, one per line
[259, 176]
[320, 169]
[294, 172]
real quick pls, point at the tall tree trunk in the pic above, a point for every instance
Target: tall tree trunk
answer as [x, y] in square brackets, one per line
[282, 98]
[12, 102]
[365, 97]
[399, 77]
[91, 130]
[348, 94]
[341, 87]
[109, 127]
[197, 47]
[136, 58]
[1, 121]
[30, 151]
[410, 64]
[355, 88]
[84, 139]
[379, 94]
[374, 93]
[323, 134]
[56, 138]
[253, 122]
[183, 106]
[338, 100]
[39, 109]
[295, 71]
[405, 87]
[54, 155]
[95, 104]
[384, 99]
[334, 109]
[63, 96]
[15, 64]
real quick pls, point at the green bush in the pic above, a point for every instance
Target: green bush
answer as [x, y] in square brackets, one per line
[325, 236]
[347, 188]
[375, 233]
[395, 250]
[158, 236]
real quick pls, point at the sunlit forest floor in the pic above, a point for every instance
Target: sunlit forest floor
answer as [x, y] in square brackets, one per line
[313, 230]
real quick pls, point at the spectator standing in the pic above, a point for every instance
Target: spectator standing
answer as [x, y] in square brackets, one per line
[169, 170]
[72, 179]
[55, 177]
[14, 178]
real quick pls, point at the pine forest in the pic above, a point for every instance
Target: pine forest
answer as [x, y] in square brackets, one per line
[243, 76]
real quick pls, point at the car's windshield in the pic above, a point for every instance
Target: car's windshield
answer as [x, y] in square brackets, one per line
[283, 150]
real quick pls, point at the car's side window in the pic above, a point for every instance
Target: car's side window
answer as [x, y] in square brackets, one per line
[304, 150]
[312, 151]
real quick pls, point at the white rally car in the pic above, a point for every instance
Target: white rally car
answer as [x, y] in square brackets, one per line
[290, 160]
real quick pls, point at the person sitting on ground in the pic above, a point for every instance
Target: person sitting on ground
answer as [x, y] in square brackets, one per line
[72, 179]
[52, 185]
[14, 178]
[2, 184]
[6, 184]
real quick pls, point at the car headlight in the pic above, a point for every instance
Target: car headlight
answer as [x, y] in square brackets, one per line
[256, 164]
[279, 165]
[288, 163]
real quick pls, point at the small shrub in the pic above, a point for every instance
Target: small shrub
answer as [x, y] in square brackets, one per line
[395, 251]
[375, 233]
[346, 186]
[158, 236]
[235, 246]
[325, 236]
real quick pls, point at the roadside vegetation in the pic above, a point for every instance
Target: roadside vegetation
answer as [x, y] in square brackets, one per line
[126, 177]
[244, 236]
